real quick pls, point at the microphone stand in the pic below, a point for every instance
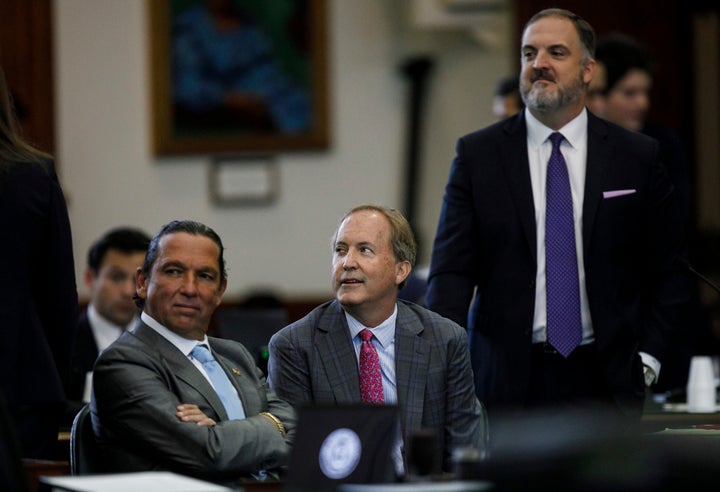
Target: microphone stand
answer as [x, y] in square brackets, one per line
[703, 278]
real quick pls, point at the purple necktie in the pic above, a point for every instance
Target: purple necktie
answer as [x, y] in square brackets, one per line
[564, 326]
[371, 390]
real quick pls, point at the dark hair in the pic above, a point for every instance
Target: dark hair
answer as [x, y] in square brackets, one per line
[176, 226]
[189, 227]
[619, 54]
[124, 239]
[12, 146]
[510, 86]
[402, 239]
[507, 85]
[585, 31]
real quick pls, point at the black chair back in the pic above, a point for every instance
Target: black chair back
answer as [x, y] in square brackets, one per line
[84, 452]
[252, 327]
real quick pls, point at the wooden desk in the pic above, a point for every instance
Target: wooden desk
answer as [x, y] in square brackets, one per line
[658, 419]
[42, 468]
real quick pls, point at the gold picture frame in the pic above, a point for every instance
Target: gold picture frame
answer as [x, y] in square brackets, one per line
[237, 76]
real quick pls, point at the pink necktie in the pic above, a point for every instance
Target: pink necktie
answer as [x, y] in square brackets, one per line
[371, 390]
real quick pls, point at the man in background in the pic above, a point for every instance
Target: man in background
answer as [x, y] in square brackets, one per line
[623, 96]
[112, 261]
[622, 90]
[506, 99]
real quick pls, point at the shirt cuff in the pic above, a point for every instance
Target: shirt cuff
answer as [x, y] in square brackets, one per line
[652, 363]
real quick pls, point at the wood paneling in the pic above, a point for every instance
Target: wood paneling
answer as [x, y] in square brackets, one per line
[26, 58]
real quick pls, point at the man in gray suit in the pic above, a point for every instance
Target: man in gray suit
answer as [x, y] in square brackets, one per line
[156, 405]
[424, 359]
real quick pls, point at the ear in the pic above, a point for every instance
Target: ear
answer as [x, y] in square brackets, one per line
[141, 281]
[402, 271]
[589, 71]
[89, 278]
[221, 291]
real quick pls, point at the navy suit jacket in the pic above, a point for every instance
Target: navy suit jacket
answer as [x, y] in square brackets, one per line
[486, 240]
[313, 361]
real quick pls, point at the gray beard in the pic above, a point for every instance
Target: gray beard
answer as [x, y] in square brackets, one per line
[549, 102]
[546, 103]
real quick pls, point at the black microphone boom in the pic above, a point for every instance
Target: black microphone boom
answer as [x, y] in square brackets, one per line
[702, 277]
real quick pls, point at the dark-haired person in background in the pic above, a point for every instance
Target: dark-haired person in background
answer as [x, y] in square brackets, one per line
[38, 294]
[621, 94]
[112, 261]
[506, 99]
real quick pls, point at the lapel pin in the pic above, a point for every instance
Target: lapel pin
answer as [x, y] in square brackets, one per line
[235, 371]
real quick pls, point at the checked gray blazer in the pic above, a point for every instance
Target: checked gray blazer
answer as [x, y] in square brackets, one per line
[313, 361]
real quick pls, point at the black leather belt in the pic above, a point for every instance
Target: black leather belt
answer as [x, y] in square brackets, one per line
[545, 348]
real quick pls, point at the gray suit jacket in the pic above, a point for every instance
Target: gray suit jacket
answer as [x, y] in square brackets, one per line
[313, 361]
[139, 381]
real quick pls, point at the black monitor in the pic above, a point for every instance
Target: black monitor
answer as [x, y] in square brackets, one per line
[342, 444]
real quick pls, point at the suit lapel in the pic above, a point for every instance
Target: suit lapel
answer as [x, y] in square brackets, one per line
[517, 170]
[180, 366]
[337, 355]
[598, 158]
[412, 361]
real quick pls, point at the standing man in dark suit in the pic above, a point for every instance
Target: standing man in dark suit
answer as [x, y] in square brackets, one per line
[423, 358]
[112, 261]
[621, 232]
[167, 396]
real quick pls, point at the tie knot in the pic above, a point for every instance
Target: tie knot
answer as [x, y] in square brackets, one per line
[556, 138]
[202, 353]
[366, 335]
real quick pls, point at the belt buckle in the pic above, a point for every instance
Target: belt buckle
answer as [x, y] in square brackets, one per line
[549, 349]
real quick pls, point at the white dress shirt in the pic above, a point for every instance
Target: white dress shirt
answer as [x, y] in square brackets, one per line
[574, 150]
[104, 332]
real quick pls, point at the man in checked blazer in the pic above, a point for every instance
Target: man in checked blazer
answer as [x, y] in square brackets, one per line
[154, 406]
[424, 358]
[490, 242]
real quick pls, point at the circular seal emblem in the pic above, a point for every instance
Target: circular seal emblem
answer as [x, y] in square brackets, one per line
[340, 453]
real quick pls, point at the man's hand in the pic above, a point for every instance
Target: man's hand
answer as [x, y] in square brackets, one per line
[192, 413]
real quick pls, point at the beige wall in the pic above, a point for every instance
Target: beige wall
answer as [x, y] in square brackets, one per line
[111, 178]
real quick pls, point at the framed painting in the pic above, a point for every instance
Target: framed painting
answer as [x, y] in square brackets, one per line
[235, 76]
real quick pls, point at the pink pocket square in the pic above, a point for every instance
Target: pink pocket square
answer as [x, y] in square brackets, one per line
[614, 193]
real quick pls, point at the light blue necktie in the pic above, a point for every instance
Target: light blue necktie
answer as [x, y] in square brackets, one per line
[564, 325]
[221, 382]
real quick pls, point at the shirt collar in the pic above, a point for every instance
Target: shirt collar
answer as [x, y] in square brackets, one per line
[575, 131]
[384, 332]
[183, 344]
[104, 330]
